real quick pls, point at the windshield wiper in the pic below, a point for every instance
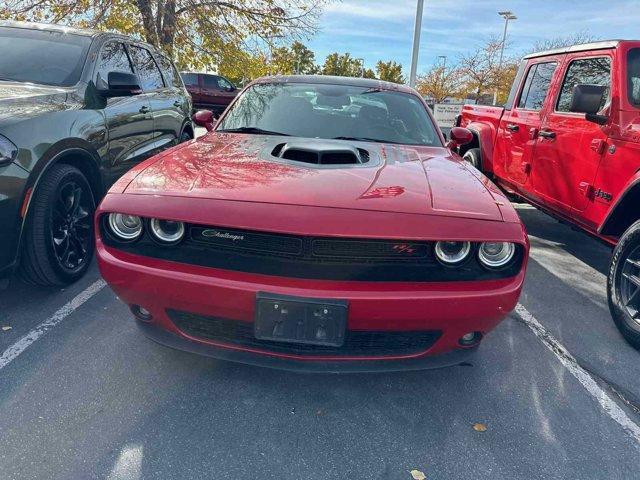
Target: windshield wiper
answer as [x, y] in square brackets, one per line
[256, 130]
[364, 139]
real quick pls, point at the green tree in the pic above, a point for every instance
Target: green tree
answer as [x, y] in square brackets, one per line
[203, 32]
[342, 65]
[297, 59]
[390, 71]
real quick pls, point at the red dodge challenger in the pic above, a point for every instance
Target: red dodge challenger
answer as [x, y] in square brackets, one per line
[321, 224]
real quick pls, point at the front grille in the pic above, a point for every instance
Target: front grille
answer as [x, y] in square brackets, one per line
[318, 258]
[357, 343]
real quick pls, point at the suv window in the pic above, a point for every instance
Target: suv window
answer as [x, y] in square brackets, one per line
[536, 86]
[589, 71]
[113, 58]
[190, 78]
[146, 67]
[211, 81]
[224, 84]
[169, 72]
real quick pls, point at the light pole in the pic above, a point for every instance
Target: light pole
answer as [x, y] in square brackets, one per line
[444, 61]
[507, 15]
[416, 43]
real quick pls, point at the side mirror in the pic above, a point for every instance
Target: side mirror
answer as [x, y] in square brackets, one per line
[122, 84]
[230, 88]
[203, 118]
[588, 99]
[459, 136]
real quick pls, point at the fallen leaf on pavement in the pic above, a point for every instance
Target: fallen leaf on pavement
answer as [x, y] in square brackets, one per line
[479, 427]
[417, 475]
[6, 328]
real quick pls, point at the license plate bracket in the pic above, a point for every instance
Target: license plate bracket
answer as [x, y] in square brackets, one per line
[310, 321]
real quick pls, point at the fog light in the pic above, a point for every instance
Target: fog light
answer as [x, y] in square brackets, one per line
[141, 313]
[470, 338]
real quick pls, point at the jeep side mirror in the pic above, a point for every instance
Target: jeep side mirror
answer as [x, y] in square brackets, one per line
[459, 136]
[588, 99]
[203, 118]
[122, 84]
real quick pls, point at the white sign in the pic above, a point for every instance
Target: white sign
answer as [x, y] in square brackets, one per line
[446, 114]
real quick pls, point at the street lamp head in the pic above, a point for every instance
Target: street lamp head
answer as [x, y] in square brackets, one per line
[507, 15]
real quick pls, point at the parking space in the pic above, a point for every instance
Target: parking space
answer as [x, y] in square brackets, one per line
[84, 395]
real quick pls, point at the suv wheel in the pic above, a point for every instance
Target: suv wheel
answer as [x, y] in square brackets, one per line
[623, 285]
[58, 244]
[473, 157]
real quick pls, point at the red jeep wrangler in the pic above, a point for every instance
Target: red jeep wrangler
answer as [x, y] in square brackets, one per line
[568, 141]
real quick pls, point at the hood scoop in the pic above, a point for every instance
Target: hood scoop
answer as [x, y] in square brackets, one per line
[321, 153]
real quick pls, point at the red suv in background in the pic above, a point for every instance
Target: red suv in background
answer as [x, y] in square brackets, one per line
[212, 92]
[568, 141]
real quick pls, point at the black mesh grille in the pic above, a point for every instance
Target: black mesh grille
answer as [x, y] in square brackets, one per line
[357, 343]
[321, 258]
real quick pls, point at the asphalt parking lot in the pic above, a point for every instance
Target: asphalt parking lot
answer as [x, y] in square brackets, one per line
[84, 395]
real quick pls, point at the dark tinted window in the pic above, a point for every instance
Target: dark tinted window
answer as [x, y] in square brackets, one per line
[147, 69]
[331, 111]
[169, 72]
[189, 78]
[224, 84]
[211, 81]
[113, 58]
[586, 71]
[536, 86]
[41, 56]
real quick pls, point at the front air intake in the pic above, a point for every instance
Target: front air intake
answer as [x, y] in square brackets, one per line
[321, 153]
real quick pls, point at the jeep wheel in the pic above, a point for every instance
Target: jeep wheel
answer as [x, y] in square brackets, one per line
[623, 285]
[473, 157]
[58, 244]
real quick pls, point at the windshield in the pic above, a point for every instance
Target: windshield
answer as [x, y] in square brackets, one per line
[41, 56]
[332, 111]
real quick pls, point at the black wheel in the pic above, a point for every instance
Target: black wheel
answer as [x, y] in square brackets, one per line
[58, 244]
[185, 137]
[473, 156]
[623, 285]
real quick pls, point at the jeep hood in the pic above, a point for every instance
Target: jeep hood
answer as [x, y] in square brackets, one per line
[401, 179]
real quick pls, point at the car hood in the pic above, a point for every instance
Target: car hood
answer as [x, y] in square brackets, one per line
[401, 179]
[19, 101]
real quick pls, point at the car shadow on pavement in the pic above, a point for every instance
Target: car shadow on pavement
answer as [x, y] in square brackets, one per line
[541, 226]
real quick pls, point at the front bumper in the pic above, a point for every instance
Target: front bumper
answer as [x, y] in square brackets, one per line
[453, 308]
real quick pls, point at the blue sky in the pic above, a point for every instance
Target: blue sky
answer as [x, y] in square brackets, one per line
[383, 29]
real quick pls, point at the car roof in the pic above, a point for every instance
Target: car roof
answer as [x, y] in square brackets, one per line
[50, 27]
[601, 45]
[334, 80]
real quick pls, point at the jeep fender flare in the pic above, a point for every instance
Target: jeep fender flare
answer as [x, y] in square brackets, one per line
[484, 134]
[624, 210]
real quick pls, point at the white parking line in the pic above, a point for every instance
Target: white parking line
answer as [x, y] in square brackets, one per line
[21, 345]
[606, 402]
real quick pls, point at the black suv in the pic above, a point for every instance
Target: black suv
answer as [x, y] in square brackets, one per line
[78, 108]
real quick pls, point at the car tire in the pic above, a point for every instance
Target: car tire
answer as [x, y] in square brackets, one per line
[623, 282]
[58, 242]
[474, 157]
[185, 136]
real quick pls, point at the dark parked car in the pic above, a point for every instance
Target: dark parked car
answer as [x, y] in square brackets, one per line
[212, 92]
[78, 108]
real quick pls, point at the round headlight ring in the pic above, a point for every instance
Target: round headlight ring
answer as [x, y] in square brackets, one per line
[496, 254]
[125, 227]
[166, 231]
[452, 253]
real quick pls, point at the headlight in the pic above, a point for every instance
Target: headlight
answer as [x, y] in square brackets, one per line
[125, 227]
[8, 151]
[496, 254]
[167, 231]
[452, 253]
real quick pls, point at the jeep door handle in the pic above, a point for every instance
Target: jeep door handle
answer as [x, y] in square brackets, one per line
[547, 134]
[512, 127]
[144, 109]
